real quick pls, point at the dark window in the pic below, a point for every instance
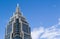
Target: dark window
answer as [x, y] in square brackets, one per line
[25, 28]
[17, 37]
[17, 26]
[29, 30]
[9, 28]
[7, 36]
[26, 36]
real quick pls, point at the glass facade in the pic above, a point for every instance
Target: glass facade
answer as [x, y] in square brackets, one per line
[29, 30]
[7, 36]
[17, 37]
[26, 36]
[9, 28]
[17, 30]
[25, 28]
[18, 27]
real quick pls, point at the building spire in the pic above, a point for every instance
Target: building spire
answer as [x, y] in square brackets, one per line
[17, 12]
[17, 8]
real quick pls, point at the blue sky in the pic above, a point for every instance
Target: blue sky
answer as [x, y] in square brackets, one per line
[43, 13]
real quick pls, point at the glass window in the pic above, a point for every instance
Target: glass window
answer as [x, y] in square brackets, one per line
[17, 26]
[9, 28]
[17, 37]
[29, 30]
[7, 36]
[25, 28]
[26, 36]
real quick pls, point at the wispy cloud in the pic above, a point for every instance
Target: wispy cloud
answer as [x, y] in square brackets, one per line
[52, 32]
[37, 32]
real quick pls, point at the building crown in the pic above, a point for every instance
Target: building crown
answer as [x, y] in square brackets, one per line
[18, 11]
[17, 8]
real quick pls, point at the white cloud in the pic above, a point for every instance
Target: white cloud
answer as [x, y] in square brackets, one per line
[36, 32]
[46, 33]
[51, 33]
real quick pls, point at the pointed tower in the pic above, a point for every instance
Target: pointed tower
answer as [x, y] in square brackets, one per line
[17, 27]
[18, 10]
